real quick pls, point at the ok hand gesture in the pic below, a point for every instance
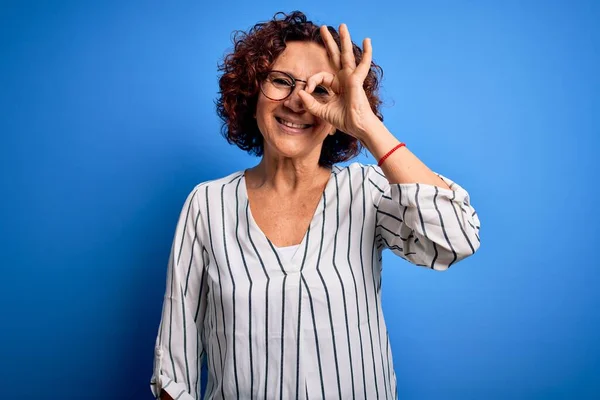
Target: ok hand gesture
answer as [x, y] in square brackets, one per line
[349, 110]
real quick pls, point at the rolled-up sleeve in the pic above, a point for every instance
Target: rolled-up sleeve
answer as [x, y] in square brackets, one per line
[427, 225]
[179, 345]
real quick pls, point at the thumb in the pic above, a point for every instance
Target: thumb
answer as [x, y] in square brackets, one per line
[312, 106]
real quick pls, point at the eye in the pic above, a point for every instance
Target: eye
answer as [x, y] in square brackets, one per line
[321, 91]
[281, 82]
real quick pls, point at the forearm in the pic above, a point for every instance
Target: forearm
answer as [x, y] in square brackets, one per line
[402, 166]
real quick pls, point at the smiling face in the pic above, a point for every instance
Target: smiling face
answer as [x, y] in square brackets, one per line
[288, 129]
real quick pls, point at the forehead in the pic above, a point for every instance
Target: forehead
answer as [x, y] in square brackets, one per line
[303, 59]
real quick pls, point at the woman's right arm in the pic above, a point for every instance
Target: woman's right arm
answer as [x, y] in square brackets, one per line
[179, 341]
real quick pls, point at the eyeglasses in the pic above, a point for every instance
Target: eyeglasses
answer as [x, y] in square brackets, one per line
[279, 85]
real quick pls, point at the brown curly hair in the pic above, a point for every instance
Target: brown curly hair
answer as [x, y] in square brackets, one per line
[253, 55]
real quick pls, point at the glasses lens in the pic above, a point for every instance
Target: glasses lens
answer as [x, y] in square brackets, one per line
[277, 85]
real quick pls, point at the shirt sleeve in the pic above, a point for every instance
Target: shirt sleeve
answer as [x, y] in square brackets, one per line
[427, 225]
[179, 344]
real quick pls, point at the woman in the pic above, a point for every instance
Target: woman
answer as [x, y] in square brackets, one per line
[275, 272]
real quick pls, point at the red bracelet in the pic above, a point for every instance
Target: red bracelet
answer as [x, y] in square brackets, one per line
[389, 153]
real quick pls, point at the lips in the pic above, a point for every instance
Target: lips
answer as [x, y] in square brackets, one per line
[292, 124]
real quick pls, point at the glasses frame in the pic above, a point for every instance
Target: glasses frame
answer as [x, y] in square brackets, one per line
[293, 86]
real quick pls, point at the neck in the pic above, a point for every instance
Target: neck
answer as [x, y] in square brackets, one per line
[287, 175]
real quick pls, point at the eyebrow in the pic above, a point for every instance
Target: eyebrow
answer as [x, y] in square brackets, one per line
[292, 75]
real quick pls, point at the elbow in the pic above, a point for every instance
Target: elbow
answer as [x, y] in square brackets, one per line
[448, 257]
[468, 249]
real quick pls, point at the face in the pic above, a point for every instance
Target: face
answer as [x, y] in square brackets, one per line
[288, 129]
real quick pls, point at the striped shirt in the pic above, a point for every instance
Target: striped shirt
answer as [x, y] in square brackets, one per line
[307, 324]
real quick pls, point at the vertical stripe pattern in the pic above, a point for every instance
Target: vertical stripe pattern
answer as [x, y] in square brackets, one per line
[307, 325]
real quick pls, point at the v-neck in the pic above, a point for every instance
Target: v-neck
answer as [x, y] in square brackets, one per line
[294, 263]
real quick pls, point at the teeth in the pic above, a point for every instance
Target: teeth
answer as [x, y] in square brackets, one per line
[292, 125]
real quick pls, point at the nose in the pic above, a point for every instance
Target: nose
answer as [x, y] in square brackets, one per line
[293, 101]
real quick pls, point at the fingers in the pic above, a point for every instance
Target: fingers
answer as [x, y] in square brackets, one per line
[331, 46]
[365, 64]
[326, 79]
[347, 57]
[311, 105]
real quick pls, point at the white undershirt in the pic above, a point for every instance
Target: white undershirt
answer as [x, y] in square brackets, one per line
[288, 251]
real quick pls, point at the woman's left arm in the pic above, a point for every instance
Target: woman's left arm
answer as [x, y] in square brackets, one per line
[420, 216]
[350, 111]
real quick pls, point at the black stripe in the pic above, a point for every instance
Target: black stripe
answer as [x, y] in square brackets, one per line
[376, 187]
[185, 357]
[393, 233]
[220, 292]
[337, 370]
[362, 357]
[266, 296]
[376, 170]
[202, 276]
[362, 266]
[394, 247]
[237, 224]
[173, 266]
[185, 223]
[211, 352]
[387, 355]
[240, 176]
[400, 202]
[337, 227]
[312, 311]
[281, 371]
[233, 340]
[390, 215]
[171, 319]
[300, 319]
[473, 226]
[462, 229]
[411, 235]
[187, 279]
[443, 227]
[276, 255]
[423, 224]
[199, 355]
[377, 289]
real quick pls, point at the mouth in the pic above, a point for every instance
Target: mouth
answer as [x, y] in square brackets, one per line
[292, 126]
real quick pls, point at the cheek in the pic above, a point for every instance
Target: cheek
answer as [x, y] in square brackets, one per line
[264, 110]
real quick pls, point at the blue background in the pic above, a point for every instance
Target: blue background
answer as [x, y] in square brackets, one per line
[107, 121]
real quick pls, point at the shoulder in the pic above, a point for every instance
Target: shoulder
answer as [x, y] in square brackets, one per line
[207, 188]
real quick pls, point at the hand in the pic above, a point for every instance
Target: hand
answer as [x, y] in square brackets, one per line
[349, 111]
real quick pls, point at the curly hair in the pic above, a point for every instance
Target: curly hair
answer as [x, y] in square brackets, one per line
[253, 55]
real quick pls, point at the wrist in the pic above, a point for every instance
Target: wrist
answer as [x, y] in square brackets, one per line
[375, 135]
